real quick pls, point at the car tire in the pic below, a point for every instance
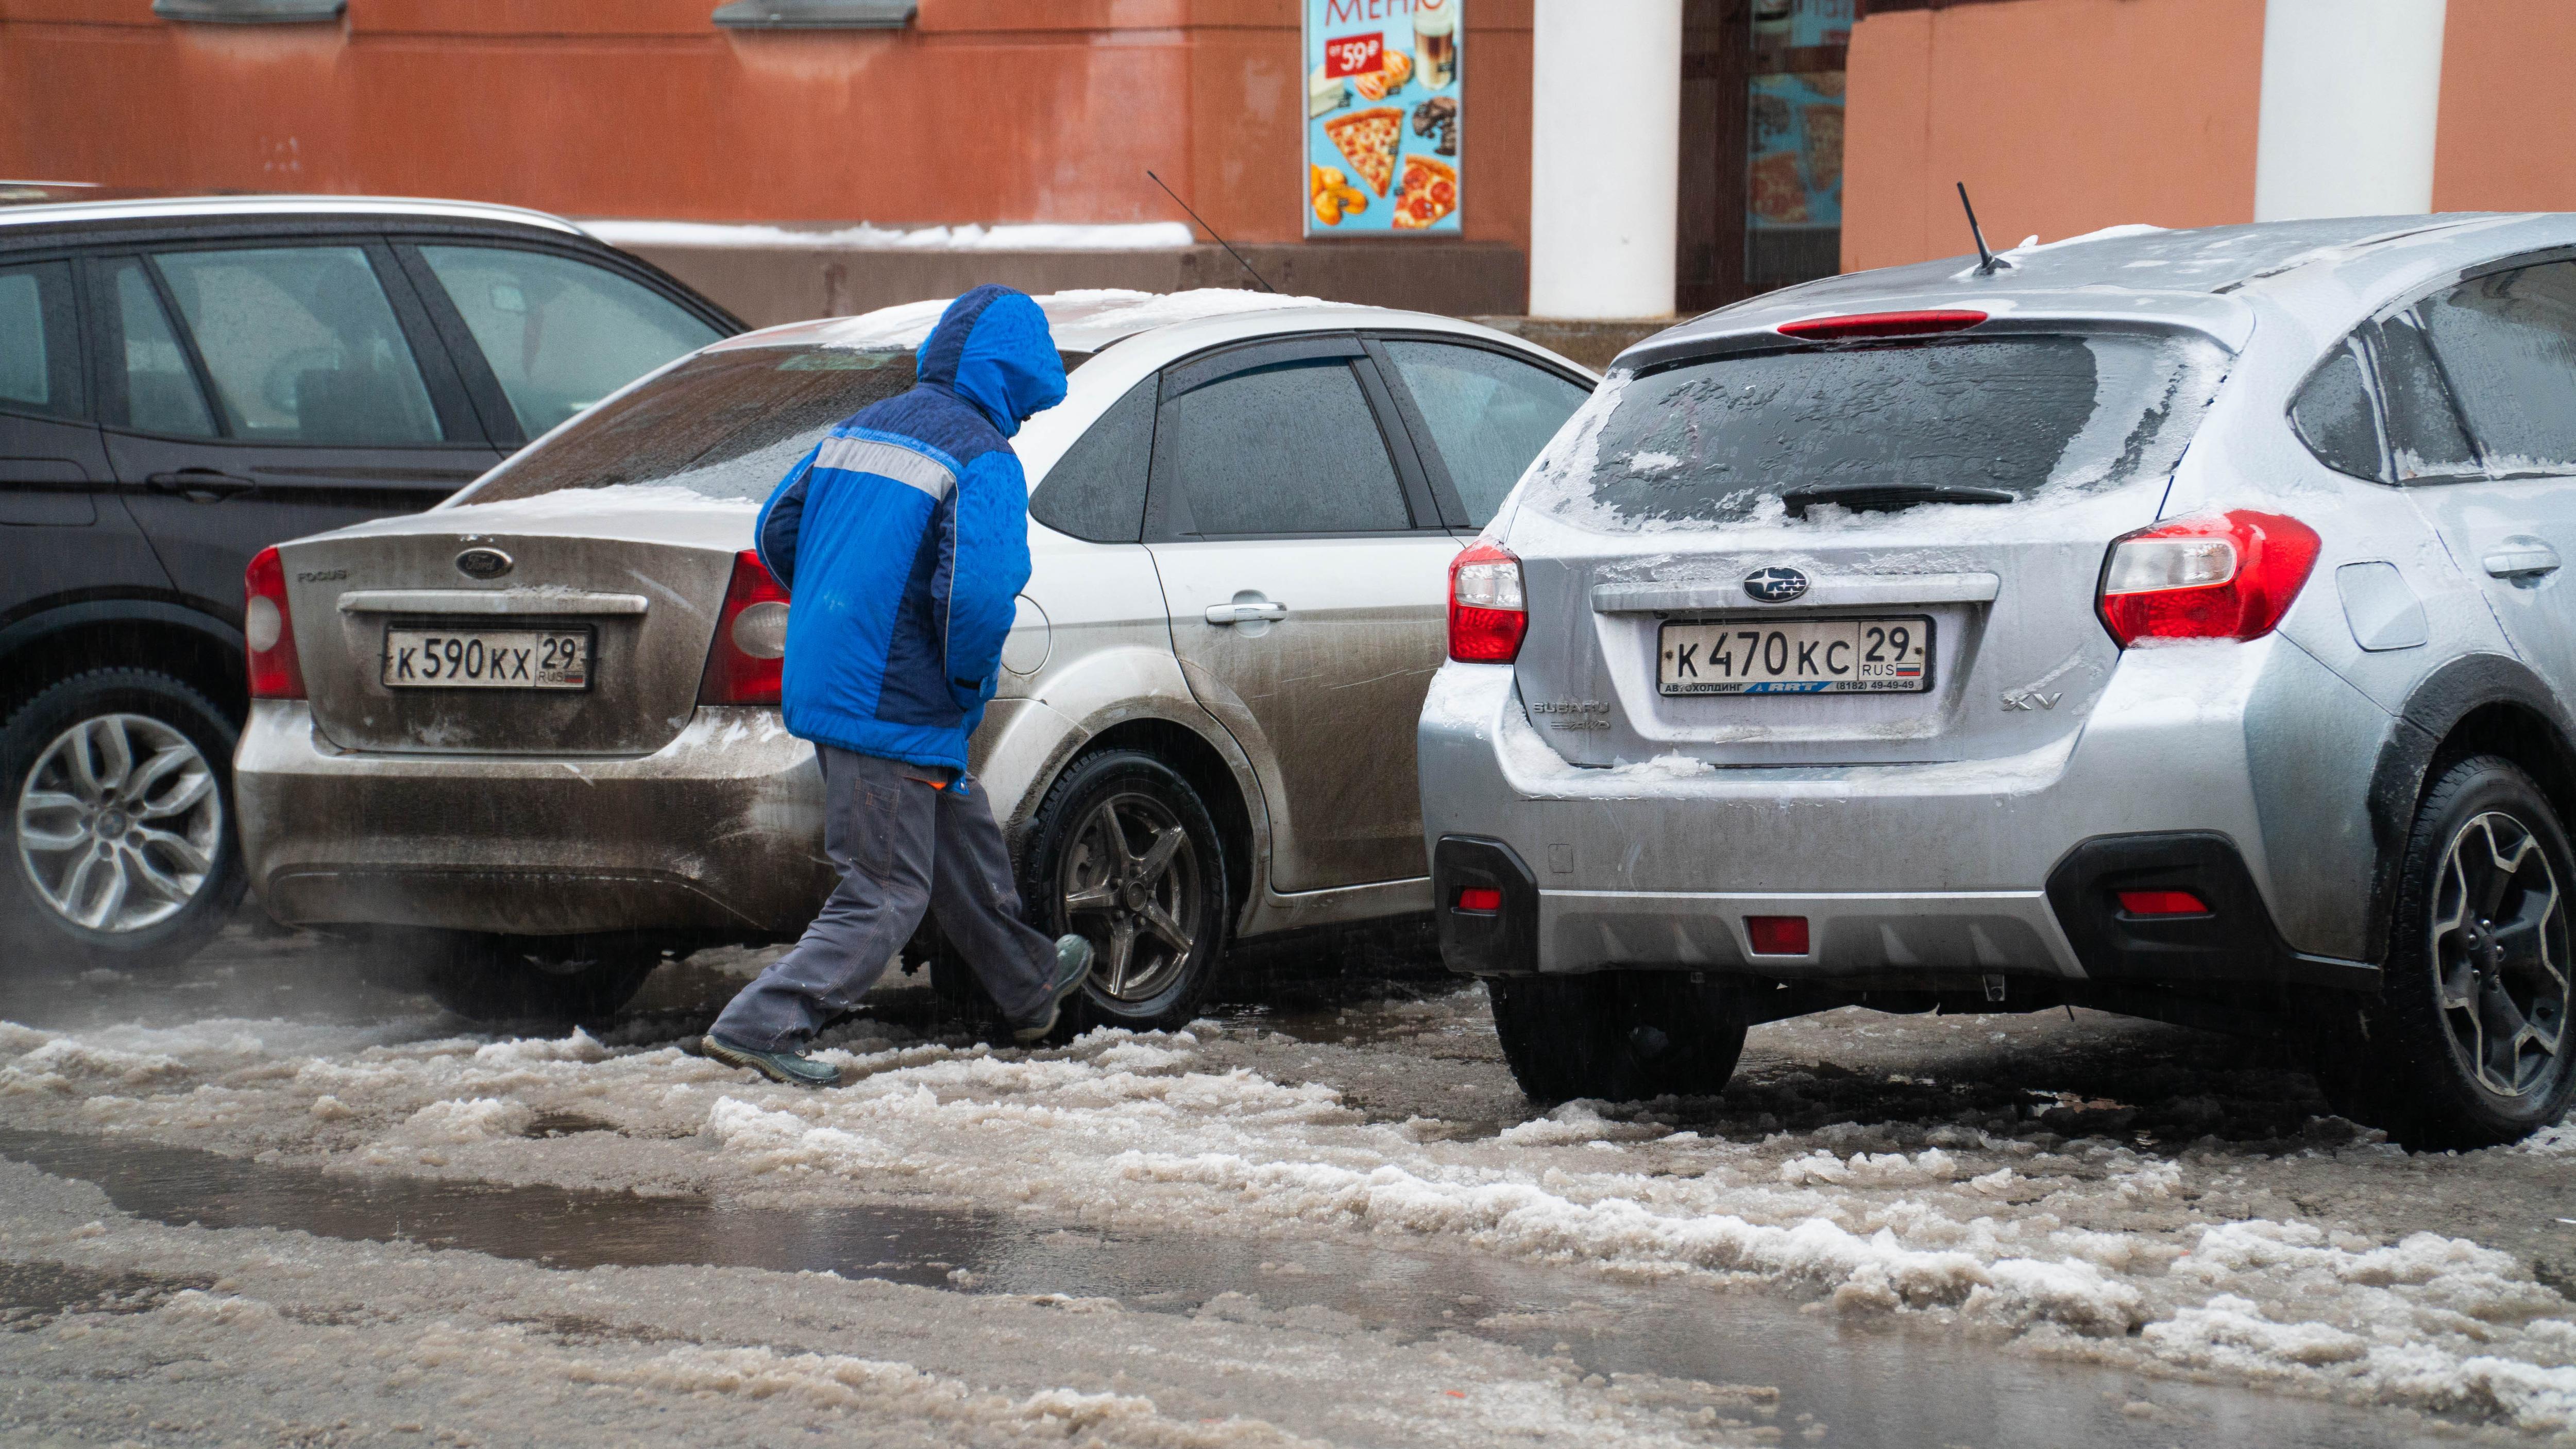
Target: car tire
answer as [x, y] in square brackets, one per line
[1616, 1036]
[2467, 1045]
[553, 981]
[122, 852]
[1092, 868]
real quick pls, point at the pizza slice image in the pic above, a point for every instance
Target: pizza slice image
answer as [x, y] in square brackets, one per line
[1430, 193]
[1369, 139]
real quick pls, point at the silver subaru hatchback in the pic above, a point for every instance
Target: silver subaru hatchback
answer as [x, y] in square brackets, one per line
[2169, 622]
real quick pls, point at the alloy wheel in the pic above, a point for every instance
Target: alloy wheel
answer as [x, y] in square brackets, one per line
[2500, 955]
[119, 823]
[1130, 884]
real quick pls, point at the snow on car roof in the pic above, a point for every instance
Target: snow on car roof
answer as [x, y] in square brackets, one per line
[1083, 321]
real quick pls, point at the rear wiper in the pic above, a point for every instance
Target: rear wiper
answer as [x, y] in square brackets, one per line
[1886, 497]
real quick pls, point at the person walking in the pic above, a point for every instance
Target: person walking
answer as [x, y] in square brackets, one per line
[903, 542]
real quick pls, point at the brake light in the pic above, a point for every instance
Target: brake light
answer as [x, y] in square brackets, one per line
[744, 663]
[268, 631]
[2162, 903]
[1488, 614]
[1863, 325]
[2225, 576]
[1480, 900]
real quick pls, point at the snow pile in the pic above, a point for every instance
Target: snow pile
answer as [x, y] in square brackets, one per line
[2088, 1247]
[1002, 236]
[479, 1120]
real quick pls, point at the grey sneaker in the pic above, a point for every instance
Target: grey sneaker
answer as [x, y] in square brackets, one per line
[794, 1068]
[1072, 968]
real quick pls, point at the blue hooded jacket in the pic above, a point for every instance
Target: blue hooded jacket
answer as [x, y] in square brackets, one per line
[903, 540]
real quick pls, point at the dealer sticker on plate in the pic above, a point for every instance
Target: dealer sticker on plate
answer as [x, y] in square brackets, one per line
[1806, 656]
[487, 658]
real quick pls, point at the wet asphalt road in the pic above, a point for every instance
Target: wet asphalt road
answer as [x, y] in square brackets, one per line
[1820, 1378]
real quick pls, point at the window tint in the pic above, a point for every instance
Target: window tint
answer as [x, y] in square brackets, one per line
[726, 424]
[2508, 346]
[1097, 489]
[2424, 435]
[1489, 414]
[39, 341]
[161, 393]
[2333, 416]
[1722, 440]
[560, 334]
[301, 346]
[1291, 448]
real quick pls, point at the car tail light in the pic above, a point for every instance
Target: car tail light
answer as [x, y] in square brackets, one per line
[2224, 576]
[1777, 935]
[1488, 613]
[743, 665]
[1860, 326]
[2162, 903]
[268, 631]
[1480, 900]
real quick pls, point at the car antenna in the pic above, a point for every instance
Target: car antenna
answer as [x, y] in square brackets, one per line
[1211, 231]
[1987, 262]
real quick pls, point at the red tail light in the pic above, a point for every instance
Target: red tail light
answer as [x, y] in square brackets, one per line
[2162, 903]
[268, 631]
[1863, 325]
[1480, 900]
[743, 664]
[1488, 614]
[2228, 576]
[1777, 935]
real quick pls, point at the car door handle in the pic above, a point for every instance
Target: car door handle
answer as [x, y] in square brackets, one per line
[1246, 613]
[2528, 559]
[199, 485]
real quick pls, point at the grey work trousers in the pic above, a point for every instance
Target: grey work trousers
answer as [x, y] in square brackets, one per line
[902, 846]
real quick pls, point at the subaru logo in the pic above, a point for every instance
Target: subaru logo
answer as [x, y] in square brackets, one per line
[1775, 585]
[491, 563]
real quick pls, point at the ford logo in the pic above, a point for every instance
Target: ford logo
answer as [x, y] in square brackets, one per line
[1775, 585]
[491, 563]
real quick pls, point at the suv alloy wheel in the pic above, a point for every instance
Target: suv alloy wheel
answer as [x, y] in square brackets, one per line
[121, 850]
[2468, 1044]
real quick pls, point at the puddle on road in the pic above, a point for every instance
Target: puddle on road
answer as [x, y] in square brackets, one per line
[1869, 1387]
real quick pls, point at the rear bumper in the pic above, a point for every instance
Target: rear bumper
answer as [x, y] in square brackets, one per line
[721, 829]
[1930, 875]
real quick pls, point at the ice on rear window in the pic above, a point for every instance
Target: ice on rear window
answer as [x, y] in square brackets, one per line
[1722, 441]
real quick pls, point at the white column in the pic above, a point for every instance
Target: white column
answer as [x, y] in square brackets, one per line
[1605, 157]
[2352, 90]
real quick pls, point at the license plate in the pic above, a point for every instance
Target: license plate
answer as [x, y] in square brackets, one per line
[487, 658]
[1805, 656]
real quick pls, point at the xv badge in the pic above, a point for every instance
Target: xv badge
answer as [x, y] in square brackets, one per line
[2031, 699]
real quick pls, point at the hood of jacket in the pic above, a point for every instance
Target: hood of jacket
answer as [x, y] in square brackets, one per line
[993, 349]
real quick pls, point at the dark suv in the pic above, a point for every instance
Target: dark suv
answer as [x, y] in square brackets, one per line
[184, 382]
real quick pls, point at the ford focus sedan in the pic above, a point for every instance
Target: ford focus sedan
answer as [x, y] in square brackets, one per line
[537, 728]
[2166, 622]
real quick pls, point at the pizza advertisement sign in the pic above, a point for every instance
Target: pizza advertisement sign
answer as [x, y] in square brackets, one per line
[1382, 122]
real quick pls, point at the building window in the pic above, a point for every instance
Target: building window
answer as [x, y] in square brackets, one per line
[816, 14]
[1794, 140]
[250, 12]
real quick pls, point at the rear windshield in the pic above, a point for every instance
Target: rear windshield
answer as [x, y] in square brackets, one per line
[726, 424]
[1767, 434]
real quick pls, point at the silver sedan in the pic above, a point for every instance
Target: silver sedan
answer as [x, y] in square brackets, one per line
[538, 725]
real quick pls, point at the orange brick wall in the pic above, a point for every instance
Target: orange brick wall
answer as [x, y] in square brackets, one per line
[984, 111]
[2508, 126]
